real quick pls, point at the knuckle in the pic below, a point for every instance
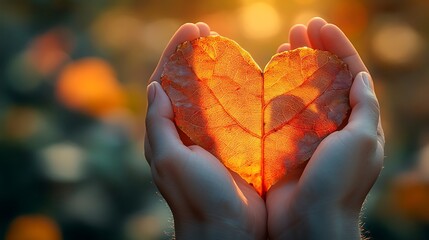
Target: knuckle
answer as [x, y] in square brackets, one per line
[368, 140]
[162, 162]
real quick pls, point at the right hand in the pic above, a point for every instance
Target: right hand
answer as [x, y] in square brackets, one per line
[325, 200]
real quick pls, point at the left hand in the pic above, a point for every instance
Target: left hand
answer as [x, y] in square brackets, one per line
[206, 199]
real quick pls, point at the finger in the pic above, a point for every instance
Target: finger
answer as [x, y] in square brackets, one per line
[160, 129]
[336, 42]
[283, 47]
[298, 36]
[313, 31]
[186, 32]
[204, 29]
[365, 113]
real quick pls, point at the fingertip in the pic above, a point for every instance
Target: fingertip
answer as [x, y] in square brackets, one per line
[151, 92]
[186, 32]
[367, 80]
[203, 28]
[365, 107]
[316, 20]
[329, 32]
[298, 36]
[159, 100]
[362, 83]
[335, 41]
[283, 47]
[314, 27]
[161, 131]
[331, 27]
[297, 26]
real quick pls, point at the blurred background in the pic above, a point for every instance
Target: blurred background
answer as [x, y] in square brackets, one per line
[72, 106]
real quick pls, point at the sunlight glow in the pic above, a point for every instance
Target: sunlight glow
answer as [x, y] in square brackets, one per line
[397, 43]
[259, 20]
[304, 16]
[305, 2]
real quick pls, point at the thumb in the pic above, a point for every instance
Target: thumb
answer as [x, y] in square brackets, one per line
[160, 129]
[365, 113]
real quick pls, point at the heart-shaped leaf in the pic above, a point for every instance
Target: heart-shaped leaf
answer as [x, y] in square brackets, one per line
[261, 125]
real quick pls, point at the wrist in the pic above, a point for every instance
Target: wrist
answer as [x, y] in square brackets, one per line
[320, 223]
[331, 223]
[209, 229]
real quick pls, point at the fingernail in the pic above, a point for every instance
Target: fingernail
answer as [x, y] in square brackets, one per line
[151, 92]
[366, 81]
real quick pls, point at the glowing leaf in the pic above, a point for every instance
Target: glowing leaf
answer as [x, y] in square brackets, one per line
[261, 125]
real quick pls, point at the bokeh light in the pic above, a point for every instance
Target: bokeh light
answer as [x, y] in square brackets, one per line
[397, 43]
[73, 78]
[305, 2]
[22, 123]
[90, 85]
[304, 16]
[63, 162]
[116, 31]
[34, 227]
[259, 20]
[155, 39]
[351, 16]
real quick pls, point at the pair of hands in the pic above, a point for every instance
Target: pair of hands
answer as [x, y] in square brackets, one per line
[323, 201]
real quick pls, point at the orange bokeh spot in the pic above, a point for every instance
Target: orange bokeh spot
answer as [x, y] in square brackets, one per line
[351, 17]
[49, 50]
[90, 86]
[410, 196]
[33, 227]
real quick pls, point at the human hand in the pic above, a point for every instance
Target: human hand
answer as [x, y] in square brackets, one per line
[206, 199]
[325, 200]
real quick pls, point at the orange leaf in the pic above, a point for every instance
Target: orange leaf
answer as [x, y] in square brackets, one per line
[262, 125]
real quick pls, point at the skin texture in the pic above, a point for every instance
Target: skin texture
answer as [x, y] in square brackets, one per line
[322, 201]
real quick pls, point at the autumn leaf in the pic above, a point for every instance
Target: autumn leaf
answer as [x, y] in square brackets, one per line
[262, 125]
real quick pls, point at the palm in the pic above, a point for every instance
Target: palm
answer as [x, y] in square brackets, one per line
[331, 177]
[226, 195]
